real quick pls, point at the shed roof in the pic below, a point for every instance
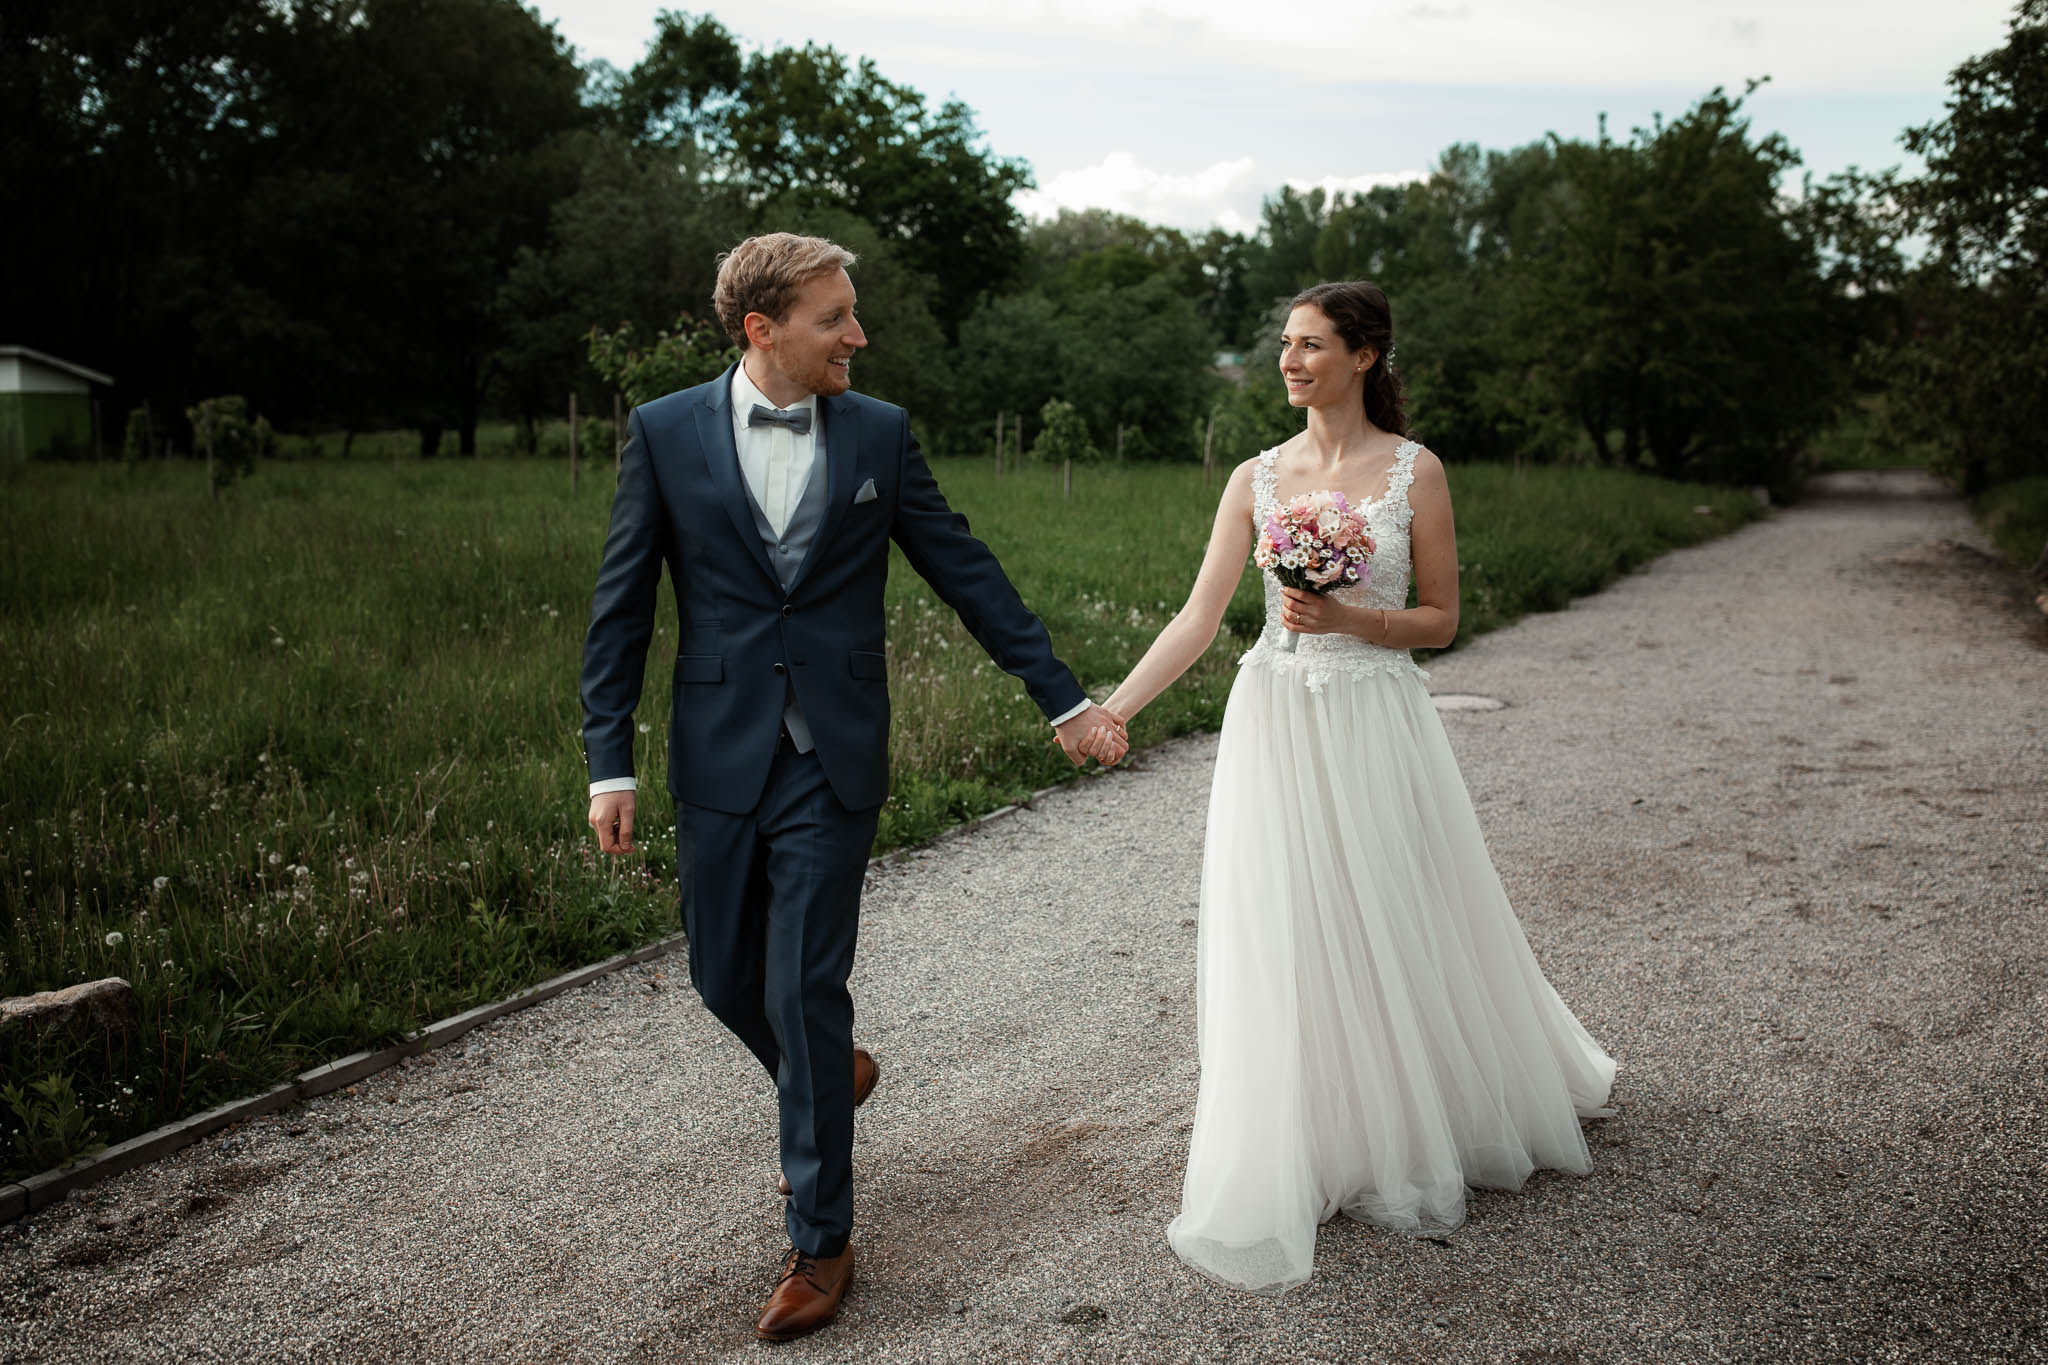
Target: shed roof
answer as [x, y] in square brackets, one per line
[29, 353]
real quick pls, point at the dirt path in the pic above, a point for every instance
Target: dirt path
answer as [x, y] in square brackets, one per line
[1772, 812]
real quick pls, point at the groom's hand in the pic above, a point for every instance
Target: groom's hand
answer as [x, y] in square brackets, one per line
[1075, 733]
[611, 815]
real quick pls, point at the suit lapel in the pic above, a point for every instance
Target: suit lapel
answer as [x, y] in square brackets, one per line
[842, 445]
[722, 468]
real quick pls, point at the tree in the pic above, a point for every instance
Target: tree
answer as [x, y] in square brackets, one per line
[1970, 378]
[1008, 358]
[635, 244]
[1661, 293]
[1137, 357]
[190, 171]
[805, 126]
[1063, 435]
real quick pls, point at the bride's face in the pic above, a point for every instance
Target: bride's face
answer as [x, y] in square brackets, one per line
[1314, 362]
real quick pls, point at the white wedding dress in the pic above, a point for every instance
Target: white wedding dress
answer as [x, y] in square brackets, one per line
[1375, 1035]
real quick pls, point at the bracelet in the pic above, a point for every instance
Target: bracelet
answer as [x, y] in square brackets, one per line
[1383, 625]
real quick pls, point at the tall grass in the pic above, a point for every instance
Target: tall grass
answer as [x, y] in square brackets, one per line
[2016, 516]
[303, 764]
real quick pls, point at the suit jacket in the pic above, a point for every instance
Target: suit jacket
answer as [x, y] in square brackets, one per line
[745, 642]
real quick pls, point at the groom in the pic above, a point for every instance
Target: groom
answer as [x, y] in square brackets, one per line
[772, 494]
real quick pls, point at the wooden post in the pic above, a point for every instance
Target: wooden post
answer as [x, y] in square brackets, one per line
[574, 473]
[1208, 446]
[1070, 477]
[618, 435]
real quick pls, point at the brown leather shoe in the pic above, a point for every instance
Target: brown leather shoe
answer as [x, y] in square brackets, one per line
[866, 1071]
[807, 1296]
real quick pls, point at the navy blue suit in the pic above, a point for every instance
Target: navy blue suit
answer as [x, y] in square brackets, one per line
[772, 845]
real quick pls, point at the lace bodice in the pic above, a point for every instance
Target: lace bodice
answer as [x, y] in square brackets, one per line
[1316, 657]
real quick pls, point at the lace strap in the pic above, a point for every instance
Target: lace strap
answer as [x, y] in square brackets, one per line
[1397, 482]
[1264, 478]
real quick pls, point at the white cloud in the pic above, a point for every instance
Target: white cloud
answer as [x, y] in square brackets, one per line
[1216, 194]
[1226, 194]
[1359, 184]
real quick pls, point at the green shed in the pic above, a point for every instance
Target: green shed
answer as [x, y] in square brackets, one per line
[46, 405]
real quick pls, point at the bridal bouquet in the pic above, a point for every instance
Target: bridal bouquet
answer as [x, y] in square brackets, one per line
[1316, 542]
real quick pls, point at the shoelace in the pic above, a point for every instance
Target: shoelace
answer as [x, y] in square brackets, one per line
[799, 1263]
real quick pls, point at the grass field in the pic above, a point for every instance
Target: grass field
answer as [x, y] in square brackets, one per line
[2016, 516]
[303, 763]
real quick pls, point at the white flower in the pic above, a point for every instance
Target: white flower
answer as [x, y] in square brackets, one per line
[645, 727]
[1330, 522]
[276, 858]
[160, 883]
[114, 938]
[462, 867]
[169, 965]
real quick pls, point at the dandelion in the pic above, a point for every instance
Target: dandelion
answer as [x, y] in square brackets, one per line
[169, 965]
[114, 938]
[160, 883]
[462, 867]
[276, 858]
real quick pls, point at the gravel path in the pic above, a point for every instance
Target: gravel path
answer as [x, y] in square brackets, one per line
[1771, 811]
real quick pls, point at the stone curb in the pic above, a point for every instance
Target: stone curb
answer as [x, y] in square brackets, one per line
[40, 1191]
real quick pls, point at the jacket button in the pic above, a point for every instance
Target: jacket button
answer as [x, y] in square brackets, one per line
[780, 670]
[788, 610]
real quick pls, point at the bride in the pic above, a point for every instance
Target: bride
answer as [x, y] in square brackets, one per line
[1375, 1035]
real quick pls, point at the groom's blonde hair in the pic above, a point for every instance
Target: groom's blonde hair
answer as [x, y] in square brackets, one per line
[762, 275]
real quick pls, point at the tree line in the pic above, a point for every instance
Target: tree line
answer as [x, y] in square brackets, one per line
[373, 213]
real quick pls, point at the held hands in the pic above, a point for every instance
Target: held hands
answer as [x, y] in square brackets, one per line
[1096, 733]
[611, 815]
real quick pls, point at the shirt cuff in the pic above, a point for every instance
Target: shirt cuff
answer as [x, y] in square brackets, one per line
[1062, 719]
[615, 784]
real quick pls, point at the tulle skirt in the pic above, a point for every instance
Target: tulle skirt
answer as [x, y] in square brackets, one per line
[1375, 1034]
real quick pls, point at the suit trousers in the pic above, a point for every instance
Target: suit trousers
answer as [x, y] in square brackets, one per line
[771, 904]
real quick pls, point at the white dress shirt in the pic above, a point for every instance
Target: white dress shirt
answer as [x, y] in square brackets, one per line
[776, 464]
[775, 461]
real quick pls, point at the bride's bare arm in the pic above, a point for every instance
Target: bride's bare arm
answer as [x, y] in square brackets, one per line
[1433, 543]
[1194, 629]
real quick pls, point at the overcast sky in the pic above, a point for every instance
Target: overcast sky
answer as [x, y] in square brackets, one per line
[1189, 113]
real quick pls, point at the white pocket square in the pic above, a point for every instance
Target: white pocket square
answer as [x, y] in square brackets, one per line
[867, 493]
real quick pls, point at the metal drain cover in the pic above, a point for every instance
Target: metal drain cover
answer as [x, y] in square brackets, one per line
[1467, 701]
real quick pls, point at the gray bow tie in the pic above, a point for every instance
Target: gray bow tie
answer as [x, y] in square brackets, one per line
[797, 420]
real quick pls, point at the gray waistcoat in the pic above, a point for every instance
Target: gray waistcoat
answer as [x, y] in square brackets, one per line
[787, 553]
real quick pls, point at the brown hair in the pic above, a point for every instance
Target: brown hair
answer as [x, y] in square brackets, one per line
[1358, 310]
[762, 275]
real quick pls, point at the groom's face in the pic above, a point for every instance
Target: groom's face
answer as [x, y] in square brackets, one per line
[813, 345]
